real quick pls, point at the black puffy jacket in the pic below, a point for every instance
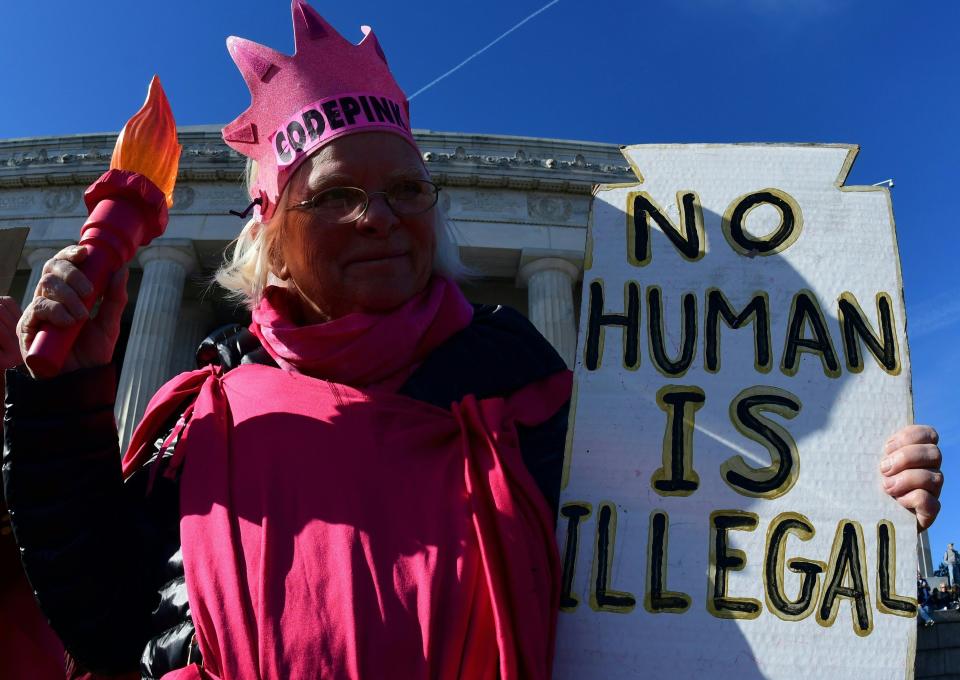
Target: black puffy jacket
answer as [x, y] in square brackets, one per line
[103, 556]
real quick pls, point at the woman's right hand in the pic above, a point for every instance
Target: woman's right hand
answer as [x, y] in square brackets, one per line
[57, 301]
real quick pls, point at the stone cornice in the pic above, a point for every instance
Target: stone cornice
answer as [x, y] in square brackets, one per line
[454, 159]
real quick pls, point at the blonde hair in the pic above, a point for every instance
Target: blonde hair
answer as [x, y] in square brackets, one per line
[246, 270]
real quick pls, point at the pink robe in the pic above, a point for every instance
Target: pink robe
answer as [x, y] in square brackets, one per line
[336, 532]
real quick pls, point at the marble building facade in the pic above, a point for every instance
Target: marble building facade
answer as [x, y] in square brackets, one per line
[517, 208]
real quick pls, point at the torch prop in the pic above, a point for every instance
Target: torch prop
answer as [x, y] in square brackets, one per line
[128, 208]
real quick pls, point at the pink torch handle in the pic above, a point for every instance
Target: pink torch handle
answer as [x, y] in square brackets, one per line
[126, 211]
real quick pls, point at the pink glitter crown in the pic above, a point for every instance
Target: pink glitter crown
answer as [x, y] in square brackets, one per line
[328, 88]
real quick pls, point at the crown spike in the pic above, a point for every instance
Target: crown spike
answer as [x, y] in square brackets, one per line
[308, 25]
[257, 63]
[369, 37]
[240, 132]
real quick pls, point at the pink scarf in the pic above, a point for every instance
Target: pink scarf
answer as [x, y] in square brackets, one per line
[349, 532]
[362, 349]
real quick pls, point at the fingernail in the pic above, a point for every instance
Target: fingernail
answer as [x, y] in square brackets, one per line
[888, 447]
[888, 483]
[885, 465]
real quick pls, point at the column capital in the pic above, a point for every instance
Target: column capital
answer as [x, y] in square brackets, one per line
[37, 251]
[39, 256]
[549, 263]
[178, 250]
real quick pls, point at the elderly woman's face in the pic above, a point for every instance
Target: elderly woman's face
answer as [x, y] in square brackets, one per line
[373, 264]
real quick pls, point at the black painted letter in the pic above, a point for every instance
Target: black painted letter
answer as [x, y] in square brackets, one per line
[847, 565]
[641, 208]
[805, 311]
[657, 599]
[598, 320]
[575, 513]
[655, 333]
[756, 310]
[779, 477]
[783, 525]
[677, 477]
[855, 327]
[723, 560]
[887, 599]
[603, 598]
[777, 241]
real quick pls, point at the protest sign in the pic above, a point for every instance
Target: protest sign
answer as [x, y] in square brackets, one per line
[741, 361]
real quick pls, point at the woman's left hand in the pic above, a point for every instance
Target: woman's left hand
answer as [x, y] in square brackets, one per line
[910, 471]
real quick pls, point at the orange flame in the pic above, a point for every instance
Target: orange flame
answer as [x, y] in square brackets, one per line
[148, 142]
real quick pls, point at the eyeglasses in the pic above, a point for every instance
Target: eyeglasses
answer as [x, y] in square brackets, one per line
[341, 205]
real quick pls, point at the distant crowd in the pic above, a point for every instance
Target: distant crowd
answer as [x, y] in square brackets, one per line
[936, 599]
[947, 595]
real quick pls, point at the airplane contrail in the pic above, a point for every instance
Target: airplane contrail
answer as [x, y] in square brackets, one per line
[481, 50]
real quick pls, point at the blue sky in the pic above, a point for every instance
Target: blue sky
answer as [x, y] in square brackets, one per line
[881, 74]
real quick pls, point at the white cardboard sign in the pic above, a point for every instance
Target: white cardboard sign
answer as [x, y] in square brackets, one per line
[742, 359]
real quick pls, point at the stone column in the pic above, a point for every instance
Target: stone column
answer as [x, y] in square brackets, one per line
[146, 364]
[36, 259]
[549, 281]
[192, 326]
[924, 555]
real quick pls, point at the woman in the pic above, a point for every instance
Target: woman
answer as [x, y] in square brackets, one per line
[369, 494]
[368, 510]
